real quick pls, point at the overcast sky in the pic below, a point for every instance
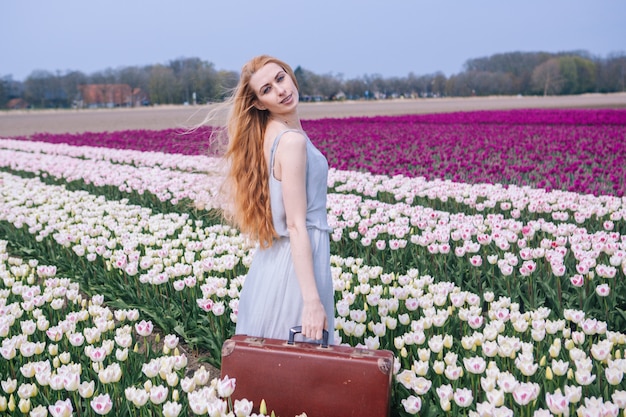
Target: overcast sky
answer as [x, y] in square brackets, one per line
[340, 37]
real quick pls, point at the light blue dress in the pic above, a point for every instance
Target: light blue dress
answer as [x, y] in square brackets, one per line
[271, 301]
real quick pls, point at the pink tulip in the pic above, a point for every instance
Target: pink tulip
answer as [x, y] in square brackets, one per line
[476, 260]
[619, 398]
[475, 321]
[226, 387]
[171, 409]
[475, 365]
[525, 392]
[577, 280]
[463, 397]
[158, 394]
[557, 403]
[144, 328]
[54, 333]
[445, 392]
[412, 404]
[102, 404]
[97, 354]
[61, 408]
[205, 304]
[603, 290]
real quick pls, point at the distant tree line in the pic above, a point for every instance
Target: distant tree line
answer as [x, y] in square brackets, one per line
[191, 80]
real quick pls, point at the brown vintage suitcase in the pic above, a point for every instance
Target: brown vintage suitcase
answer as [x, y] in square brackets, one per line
[296, 377]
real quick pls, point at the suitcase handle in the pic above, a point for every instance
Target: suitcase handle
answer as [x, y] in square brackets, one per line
[298, 329]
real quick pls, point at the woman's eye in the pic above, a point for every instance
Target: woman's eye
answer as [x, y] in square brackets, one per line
[265, 90]
[280, 78]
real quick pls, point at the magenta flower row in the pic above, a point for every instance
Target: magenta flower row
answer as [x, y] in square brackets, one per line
[574, 150]
[166, 140]
[582, 151]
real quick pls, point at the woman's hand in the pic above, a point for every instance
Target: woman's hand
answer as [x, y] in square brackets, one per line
[313, 319]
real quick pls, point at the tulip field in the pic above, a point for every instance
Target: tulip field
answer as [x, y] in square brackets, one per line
[486, 249]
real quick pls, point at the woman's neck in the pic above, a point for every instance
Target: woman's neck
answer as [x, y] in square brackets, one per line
[290, 122]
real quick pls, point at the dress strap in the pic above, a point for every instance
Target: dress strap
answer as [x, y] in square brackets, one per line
[275, 145]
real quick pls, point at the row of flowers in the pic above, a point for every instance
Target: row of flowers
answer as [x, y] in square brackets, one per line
[437, 329]
[133, 171]
[457, 349]
[517, 248]
[150, 159]
[505, 148]
[64, 354]
[566, 150]
[117, 245]
[370, 323]
[428, 269]
[124, 170]
[61, 346]
[173, 141]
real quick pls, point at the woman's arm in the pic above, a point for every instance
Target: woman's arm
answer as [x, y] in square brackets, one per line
[291, 158]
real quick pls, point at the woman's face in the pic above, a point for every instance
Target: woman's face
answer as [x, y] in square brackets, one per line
[274, 89]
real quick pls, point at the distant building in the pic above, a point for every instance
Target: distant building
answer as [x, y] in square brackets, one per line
[110, 95]
[17, 104]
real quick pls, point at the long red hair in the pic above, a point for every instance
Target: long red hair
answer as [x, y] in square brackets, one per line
[247, 180]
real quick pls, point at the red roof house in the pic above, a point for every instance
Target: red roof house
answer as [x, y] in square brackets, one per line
[110, 95]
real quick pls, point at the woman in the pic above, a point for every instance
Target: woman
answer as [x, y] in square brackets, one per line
[277, 183]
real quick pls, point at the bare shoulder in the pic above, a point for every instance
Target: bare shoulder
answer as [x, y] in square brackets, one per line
[292, 142]
[294, 137]
[291, 156]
